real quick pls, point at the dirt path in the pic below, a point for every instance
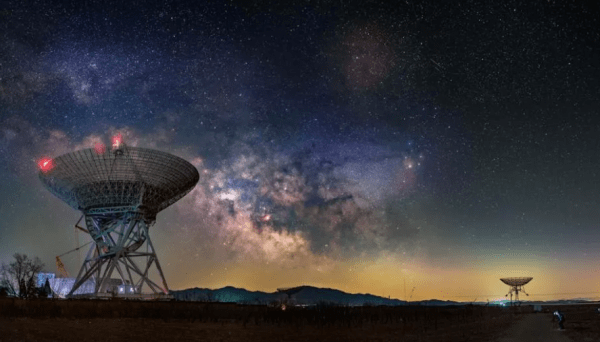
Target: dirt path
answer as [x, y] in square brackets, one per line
[534, 328]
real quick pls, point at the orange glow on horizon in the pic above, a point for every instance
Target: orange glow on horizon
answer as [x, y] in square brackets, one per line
[390, 278]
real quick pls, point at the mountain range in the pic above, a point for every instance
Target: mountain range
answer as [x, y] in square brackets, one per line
[301, 295]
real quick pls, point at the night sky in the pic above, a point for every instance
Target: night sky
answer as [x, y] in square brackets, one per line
[370, 148]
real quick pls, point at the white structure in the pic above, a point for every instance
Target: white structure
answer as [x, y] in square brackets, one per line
[62, 286]
[42, 277]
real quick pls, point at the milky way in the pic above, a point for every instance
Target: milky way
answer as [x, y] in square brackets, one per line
[346, 146]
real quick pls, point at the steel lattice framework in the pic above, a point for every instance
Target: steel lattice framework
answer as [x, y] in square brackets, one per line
[120, 192]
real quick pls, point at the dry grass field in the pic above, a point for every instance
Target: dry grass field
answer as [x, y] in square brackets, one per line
[582, 321]
[102, 320]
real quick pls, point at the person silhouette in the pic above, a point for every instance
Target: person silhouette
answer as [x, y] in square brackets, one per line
[561, 319]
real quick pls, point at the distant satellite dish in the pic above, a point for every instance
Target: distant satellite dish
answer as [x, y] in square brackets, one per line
[516, 285]
[518, 281]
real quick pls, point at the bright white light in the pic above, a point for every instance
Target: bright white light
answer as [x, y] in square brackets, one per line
[231, 195]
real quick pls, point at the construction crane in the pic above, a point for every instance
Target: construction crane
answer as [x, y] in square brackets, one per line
[60, 267]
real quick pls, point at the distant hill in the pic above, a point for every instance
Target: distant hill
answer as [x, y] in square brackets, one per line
[302, 295]
[437, 302]
[228, 294]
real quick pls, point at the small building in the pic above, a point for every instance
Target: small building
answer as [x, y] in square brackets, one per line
[61, 287]
[126, 289]
[42, 277]
[112, 286]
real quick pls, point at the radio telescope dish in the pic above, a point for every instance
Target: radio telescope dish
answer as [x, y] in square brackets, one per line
[516, 285]
[119, 192]
[516, 281]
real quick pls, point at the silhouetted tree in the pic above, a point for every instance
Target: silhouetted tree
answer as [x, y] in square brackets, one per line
[19, 277]
[7, 283]
[44, 291]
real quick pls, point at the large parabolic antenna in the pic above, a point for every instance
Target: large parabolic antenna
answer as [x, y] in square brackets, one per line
[119, 191]
[516, 286]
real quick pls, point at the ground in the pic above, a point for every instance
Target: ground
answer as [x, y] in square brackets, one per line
[27, 329]
[182, 321]
[533, 328]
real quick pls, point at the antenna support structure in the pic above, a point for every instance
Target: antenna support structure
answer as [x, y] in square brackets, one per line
[119, 193]
[516, 285]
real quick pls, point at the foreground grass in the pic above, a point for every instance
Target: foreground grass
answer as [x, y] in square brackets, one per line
[582, 321]
[51, 320]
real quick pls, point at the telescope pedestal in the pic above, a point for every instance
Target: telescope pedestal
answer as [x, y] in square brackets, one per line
[121, 243]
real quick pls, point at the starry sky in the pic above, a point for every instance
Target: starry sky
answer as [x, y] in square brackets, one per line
[426, 145]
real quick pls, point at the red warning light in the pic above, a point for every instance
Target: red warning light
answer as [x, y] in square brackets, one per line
[117, 141]
[100, 148]
[45, 164]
